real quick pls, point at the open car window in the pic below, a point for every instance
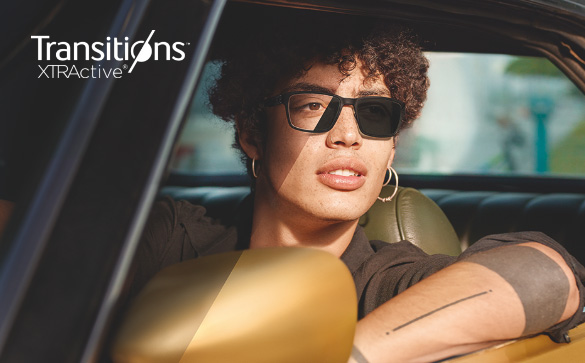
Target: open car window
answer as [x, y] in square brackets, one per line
[486, 114]
[204, 146]
[497, 114]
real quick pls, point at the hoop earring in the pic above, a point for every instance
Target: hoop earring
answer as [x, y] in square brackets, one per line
[389, 177]
[254, 168]
[392, 171]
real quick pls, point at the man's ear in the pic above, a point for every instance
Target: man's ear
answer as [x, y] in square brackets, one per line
[249, 144]
[393, 151]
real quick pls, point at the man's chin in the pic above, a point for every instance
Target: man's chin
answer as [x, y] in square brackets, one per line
[341, 214]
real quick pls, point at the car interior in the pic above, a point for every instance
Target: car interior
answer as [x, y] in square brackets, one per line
[120, 158]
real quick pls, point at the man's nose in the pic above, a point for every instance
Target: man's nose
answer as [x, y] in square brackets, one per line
[345, 132]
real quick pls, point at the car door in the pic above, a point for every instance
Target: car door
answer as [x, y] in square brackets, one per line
[80, 200]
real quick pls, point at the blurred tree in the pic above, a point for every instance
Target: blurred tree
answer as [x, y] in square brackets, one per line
[533, 66]
[568, 156]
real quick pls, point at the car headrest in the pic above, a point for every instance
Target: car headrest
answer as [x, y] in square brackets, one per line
[409, 215]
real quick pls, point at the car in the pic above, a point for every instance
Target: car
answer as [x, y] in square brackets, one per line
[91, 137]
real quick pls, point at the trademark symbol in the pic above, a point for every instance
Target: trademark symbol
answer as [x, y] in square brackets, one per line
[125, 66]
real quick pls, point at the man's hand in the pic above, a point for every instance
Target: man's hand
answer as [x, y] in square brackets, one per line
[491, 296]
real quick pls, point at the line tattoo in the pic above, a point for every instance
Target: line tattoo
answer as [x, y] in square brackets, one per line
[358, 356]
[440, 308]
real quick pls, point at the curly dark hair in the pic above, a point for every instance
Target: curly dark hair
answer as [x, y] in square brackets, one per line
[261, 50]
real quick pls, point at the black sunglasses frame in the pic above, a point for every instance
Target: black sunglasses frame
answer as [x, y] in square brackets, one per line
[282, 99]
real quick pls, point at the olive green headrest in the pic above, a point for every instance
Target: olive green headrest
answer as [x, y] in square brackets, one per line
[411, 216]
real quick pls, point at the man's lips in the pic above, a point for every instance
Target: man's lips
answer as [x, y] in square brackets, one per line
[343, 174]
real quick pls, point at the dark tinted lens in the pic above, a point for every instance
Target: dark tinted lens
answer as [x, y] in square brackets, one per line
[312, 111]
[378, 116]
[329, 117]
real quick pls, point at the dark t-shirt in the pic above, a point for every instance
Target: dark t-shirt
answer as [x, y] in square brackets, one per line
[179, 231]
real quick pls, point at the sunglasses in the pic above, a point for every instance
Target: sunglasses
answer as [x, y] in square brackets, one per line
[317, 112]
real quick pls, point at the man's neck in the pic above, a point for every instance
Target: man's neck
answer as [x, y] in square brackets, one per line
[271, 228]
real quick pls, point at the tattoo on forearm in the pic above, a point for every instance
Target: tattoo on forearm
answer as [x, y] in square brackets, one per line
[439, 309]
[543, 306]
[358, 356]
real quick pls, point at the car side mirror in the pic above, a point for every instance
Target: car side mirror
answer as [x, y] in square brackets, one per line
[262, 305]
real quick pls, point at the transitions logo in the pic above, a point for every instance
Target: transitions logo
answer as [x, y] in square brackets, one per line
[111, 49]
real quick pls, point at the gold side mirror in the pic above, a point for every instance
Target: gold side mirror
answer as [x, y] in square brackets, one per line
[264, 305]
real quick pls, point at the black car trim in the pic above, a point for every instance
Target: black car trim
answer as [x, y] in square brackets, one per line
[135, 231]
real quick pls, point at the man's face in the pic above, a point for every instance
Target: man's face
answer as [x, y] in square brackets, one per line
[297, 170]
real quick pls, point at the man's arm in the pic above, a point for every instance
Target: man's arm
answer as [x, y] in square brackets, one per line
[494, 295]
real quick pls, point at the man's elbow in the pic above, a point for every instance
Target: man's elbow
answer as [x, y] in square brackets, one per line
[540, 277]
[572, 297]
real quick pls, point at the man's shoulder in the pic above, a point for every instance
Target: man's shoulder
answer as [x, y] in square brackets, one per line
[187, 223]
[177, 231]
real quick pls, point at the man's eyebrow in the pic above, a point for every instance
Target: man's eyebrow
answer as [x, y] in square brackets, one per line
[378, 91]
[311, 87]
[303, 86]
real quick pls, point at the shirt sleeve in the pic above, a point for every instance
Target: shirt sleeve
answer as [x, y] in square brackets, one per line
[395, 267]
[175, 231]
[391, 269]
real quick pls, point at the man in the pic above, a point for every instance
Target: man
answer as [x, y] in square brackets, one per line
[317, 110]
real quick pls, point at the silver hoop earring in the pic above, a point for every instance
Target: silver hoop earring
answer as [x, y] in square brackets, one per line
[387, 199]
[389, 177]
[254, 168]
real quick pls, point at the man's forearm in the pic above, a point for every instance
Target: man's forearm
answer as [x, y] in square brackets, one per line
[495, 295]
